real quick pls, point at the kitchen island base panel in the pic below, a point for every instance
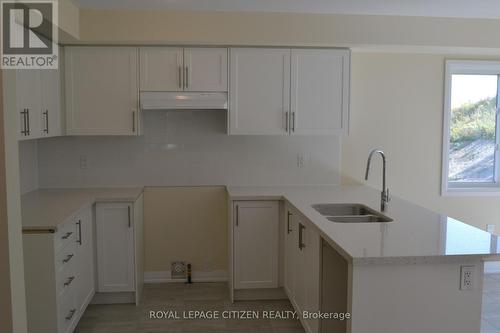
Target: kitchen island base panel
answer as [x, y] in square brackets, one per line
[415, 298]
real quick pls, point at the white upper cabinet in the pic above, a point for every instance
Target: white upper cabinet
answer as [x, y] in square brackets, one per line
[28, 102]
[101, 90]
[205, 69]
[319, 91]
[51, 116]
[38, 102]
[161, 68]
[259, 91]
[283, 91]
[183, 69]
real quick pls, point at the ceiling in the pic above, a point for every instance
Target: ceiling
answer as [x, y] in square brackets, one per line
[435, 8]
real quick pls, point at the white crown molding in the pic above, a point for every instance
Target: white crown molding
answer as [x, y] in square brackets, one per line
[431, 8]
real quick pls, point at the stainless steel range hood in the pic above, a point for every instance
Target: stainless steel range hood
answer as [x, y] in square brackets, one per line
[158, 100]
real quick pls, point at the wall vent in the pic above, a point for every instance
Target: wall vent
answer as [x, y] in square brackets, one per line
[178, 270]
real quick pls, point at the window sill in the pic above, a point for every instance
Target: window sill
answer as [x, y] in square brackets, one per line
[471, 192]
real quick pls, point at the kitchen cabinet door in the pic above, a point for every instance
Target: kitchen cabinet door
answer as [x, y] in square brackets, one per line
[101, 90]
[84, 259]
[259, 92]
[28, 102]
[50, 117]
[255, 235]
[311, 263]
[291, 239]
[319, 91]
[115, 247]
[306, 272]
[139, 247]
[161, 69]
[205, 69]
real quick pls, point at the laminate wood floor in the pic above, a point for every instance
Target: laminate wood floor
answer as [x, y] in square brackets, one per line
[125, 318]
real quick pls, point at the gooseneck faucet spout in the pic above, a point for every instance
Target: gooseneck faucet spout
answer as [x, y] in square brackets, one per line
[384, 195]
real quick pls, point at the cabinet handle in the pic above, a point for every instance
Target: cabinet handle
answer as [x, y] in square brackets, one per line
[186, 79]
[46, 114]
[129, 218]
[28, 130]
[68, 258]
[79, 224]
[25, 124]
[301, 242]
[180, 77]
[293, 121]
[67, 235]
[70, 279]
[288, 230]
[133, 121]
[237, 215]
[71, 314]
[286, 121]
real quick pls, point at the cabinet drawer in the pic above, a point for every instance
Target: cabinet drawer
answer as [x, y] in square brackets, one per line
[66, 279]
[67, 311]
[64, 235]
[66, 269]
[66, 256]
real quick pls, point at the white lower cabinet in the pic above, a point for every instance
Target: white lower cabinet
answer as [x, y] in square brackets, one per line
[85, 283]
[60, 265]
[115, 247]
[291, 241]
[302, 268]
[59, 274]
[255, 245]
[258, 249]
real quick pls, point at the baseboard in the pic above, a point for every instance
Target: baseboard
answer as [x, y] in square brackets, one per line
[114, 298]
[259, 294]
[198, 276]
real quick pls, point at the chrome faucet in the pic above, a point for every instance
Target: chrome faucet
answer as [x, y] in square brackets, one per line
[384, 195]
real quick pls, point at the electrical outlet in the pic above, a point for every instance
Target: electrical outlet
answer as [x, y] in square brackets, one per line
[490, 228]
[84, 162]
[467, 277]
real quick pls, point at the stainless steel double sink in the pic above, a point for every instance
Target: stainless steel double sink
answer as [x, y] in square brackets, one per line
[350, 213]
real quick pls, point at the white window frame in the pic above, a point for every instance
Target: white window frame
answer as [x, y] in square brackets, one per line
[472, 67]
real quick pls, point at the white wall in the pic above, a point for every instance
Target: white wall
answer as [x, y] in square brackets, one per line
[397, 105]
[28, 165]
[12, 186]
[187, 148]
[257, 28]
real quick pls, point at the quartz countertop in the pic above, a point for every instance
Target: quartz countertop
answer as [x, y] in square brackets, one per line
[46, 209]
[416, 234]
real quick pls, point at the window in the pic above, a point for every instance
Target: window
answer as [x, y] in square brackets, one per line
[471, 128]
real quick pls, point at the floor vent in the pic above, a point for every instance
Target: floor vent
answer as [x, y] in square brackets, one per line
[178, 270]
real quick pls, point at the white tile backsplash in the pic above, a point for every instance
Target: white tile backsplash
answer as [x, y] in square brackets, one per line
[187, 148]
[28, 168]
